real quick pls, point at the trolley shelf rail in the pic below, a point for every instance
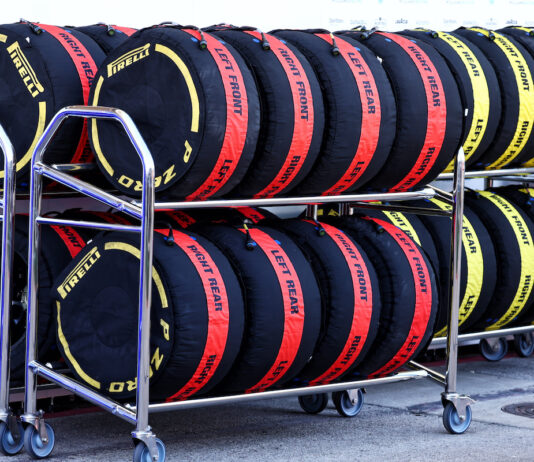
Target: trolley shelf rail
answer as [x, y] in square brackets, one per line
[516, 174]
[143, 210]
[463, 339]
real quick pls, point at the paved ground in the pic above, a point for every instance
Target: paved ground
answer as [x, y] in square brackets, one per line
[399, 422]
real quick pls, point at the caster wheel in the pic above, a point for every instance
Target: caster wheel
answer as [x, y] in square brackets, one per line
[452, 422]
[344, 405]
[313, 404]
[8, 445]
[33, 444]
[496, 352]
[141, 453]
[524, 344]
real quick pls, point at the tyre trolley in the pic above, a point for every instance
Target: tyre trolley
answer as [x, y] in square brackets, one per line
[39, 436]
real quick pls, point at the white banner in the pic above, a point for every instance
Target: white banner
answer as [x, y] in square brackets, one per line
[392, 15]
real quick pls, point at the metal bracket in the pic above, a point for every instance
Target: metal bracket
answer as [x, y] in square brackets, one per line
[312, 211]
[494, 342]
[41, 428]
[353, 395]
[445, 196]
[149, 439]
[460, 403]
[432, 374]
[14, 429]
[37, 421]
[346, 210]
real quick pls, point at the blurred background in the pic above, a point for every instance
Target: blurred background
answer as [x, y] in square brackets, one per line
[330, 14]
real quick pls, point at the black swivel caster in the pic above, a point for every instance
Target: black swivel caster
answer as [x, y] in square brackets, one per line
[452, 421]
[142, 454]
[11, 444]
[34, 444]
[494, 350]
[524, 344]
[348, 403]
[313, 404]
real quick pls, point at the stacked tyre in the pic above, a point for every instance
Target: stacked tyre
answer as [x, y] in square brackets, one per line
[197, 315]
[479, 273]
[429, 110]
[525, 36]
[511, 231]
[218, 124]
[360, 108]
[282, 305]
[350, 295]
[496, 277]
[107, 36]
[252, 307]
[350, 300]
[521, 198]
[304, 112]
[44, 69]
[408, 291]
[60, 245]
[479, 89]
[292, 112]
[200, 339]
[497, 256]
[513, 141]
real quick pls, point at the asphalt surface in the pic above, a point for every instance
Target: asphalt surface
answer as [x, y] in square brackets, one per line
[399, 422]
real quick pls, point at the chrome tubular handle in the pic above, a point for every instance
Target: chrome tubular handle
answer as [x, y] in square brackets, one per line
[147, 229]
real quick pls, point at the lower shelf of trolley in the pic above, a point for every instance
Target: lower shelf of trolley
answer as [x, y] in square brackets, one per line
[127, 412]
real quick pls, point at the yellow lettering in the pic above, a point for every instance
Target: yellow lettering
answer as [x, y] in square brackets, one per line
[128, 59]
[157, 359]
[126, 181]
[131, 384]
[166, 331]
[188, 151]
[116, 387]
[26, 72]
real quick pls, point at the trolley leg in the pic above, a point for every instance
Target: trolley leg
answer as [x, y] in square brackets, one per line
[31, 417]
[8, 422]
[39, 437]
[452, 401]
[8, 222]
[143, 433]
[312, 211]
[346, 210]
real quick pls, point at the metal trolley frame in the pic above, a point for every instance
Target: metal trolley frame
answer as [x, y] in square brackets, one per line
[10, 428]
[495, 349]
[138, 415]
[7, 419]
